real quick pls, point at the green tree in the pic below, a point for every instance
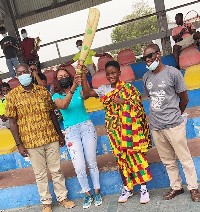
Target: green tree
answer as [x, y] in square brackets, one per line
[137, 28]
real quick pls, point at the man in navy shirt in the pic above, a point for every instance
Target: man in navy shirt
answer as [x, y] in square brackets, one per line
[9, 47]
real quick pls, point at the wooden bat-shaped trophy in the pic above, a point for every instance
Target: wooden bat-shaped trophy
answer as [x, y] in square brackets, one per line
[92, 22]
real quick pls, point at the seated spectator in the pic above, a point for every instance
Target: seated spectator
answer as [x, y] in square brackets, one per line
[184, 36]
[38, 78]
[1, 95]
[4, 123]
[88, 62]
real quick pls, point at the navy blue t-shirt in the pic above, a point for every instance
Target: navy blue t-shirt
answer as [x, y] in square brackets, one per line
[10, 50]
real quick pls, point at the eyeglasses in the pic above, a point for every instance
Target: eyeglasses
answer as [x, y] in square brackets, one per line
[150, 55]
[33, 63]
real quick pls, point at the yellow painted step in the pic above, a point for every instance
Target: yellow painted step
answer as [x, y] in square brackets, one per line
[93, 104]
[192, 77]
[7, 142]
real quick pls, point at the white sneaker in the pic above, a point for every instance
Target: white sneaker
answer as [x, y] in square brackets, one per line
[125, 195]
[144, 196]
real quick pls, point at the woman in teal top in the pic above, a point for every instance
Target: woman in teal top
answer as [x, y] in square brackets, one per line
[80, 134]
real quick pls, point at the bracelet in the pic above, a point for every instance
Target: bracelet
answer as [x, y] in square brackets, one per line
[72, 92]
[18, 144]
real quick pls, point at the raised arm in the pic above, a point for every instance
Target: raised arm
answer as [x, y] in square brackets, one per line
[87, 92]
[67, 63]
[103, 54]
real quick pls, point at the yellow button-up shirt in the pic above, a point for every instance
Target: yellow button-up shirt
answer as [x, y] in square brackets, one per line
[32, 111]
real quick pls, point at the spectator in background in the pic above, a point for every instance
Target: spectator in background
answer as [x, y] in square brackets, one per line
[1, 95]
[184, 36]
[38, 136]
[38, 78]
[9, 47]
[29, 51]
[5, 88]
[88, 62]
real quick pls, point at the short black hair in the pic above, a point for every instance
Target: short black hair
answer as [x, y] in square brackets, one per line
[180, 15]
[5, 84]
[113, 63]
[2, 28]
[79, 41]
[153, 46]
[22, 64]
[23, 30]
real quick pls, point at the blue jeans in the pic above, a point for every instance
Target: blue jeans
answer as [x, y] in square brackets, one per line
[10, 63]
[81, 141]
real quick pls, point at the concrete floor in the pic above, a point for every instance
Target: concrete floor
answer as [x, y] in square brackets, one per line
[181, 203]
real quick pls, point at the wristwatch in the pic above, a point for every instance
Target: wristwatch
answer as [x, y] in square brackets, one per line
[71, 92]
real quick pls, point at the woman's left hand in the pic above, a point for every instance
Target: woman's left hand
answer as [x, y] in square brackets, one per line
[77, 79]
[118, 101]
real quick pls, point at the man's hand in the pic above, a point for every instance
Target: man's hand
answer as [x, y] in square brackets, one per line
[61, 140]
[3, 118]
[118, 101]
[34, 52]
[34, 70]
[6, 45]
[22, 150]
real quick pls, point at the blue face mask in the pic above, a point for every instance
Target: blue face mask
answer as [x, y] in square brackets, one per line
[79, 48]
[153, 65]
[25, 79]
[24, 35]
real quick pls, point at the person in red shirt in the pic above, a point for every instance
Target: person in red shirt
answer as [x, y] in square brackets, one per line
[184, 36]
[30, 54]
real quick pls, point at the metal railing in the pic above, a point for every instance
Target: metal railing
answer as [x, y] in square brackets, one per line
[110, 47]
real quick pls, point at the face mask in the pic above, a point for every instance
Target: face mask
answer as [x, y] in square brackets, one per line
[25, 79]
[66, 82]
[24, 35]
[79, 48]
[153, 66]
[4, 35]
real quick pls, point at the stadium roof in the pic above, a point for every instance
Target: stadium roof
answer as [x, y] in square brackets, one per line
[27, 12]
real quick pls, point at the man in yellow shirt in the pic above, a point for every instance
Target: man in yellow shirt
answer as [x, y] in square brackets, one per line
[37, 134]
[88, 62]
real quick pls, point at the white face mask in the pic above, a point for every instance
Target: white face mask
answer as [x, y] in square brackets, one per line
[25, 79]
[79, 48]
[4, 35]
[153, 65]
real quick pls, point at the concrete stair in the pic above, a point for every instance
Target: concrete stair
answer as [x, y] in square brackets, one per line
[17, 182]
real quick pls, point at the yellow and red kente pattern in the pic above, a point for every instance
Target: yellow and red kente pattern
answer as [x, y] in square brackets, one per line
[32, 111]
[128, 133]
